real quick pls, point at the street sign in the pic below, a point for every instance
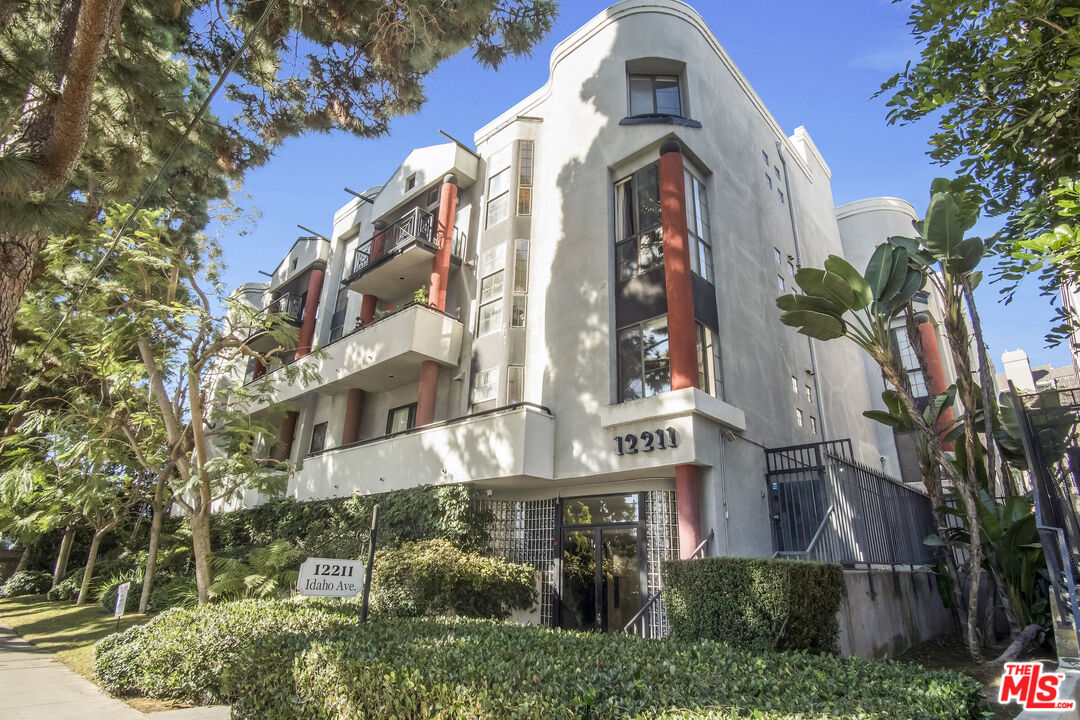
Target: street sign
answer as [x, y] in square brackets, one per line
[121, 598]
[329, 577]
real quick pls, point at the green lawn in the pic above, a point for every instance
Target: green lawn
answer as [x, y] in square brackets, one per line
[62, 628]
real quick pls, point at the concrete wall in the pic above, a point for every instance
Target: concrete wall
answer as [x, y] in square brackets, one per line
[884, 613]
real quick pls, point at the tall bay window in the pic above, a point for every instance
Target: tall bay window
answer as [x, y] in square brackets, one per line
[915, 378]
[639, 244]
[498, 204]
[525, 178]
[697, 222]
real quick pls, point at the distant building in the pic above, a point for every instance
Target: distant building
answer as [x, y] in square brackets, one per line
[1027, 379]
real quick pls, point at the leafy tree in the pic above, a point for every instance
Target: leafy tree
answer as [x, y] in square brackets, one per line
[95, 95]
[1002, 80]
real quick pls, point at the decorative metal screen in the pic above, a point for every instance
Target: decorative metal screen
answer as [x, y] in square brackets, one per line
[521, 531]
[662, 543]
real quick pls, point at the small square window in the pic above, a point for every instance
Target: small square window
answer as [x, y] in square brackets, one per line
[798, 417]
[432, 197]
[813, 425]
[410, 182]
[401, 419]
[318, 438]
[780, 283]
[293, 266]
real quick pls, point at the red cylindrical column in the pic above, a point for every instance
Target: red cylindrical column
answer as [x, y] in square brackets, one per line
[440, 266]
[935, 370]
[367, 309]
[283, 449]
[425, 399]
[682, 335]
[367, 305]
[311, 304]
[354, 408]
[682, 338]
[688, 504]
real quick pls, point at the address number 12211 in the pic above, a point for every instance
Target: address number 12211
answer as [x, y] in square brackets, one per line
[649, 440]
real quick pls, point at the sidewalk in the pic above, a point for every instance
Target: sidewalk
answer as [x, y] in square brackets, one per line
[34, 685]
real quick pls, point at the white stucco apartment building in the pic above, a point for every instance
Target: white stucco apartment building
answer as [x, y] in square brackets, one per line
[576, 314]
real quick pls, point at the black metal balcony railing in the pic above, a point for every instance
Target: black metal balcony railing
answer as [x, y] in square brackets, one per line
[414, 225]
[289, 305]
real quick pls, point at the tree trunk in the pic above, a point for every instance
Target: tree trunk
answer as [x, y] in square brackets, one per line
[200, 545]
[24, 560]
[88, 573]
[17, 254]
[62, 557]
[986, 382]
[155, 535]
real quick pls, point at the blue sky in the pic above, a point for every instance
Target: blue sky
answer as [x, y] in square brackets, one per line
[815, 64]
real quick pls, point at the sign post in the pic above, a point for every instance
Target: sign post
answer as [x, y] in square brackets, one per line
[121, 601]
[371, 563]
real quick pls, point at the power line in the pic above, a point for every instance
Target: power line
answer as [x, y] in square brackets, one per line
[233, 62]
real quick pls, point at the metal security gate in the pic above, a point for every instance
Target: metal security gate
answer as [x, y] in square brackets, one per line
[825, 506]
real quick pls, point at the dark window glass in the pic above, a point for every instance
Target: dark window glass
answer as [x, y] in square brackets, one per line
[644, 368]
[600, 510]
[639, 244]
[318, 438]
[654, 95]
[667, 96]
[400, 419]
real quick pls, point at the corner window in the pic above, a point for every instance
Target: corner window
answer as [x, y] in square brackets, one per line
[708, 361]
[697, 222]
[401, 419]
[515, 384]
[485, 385]
[644, 367]
[655, 95]
[639, 244]
[318, 438]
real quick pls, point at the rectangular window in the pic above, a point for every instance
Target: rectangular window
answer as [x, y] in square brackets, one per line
[791, 268]
[401, 419]
[813, 425]
[809, 394]
[697, 222]
[410, 182]
[794, 384]
[910, 361]
[318, 438]
[525, 178]
[708, 357]
[337, 320]
[485, 385]
[491, 287]
[521, 266]
[492, 259]
[515, 384]
[517, 311]
[777, 255]
[639, 245]
[798, 417]
[654, 95]
[490, 318]
[644, 368]
[780, 283]
[498, 206]
[432, 197]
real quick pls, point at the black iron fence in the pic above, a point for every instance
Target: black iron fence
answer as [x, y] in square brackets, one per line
[825, 506]
[415, 225]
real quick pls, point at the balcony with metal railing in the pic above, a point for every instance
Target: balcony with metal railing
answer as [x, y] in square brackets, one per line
[397, 261]
[288, 308]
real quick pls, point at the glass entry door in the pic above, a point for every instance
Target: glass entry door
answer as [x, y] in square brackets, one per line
[602, 563]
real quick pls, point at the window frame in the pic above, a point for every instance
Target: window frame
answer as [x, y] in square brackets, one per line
[500, 163]
[660, 363]
[698, 225]
[410, 421]
[526, 170]
[318, 431]
[511, 372]
[653, 78]
[491, 378]
[631, 238]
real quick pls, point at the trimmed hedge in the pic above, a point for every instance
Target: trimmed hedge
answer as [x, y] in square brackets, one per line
[754, 603]
[26, 582]
[432, 577]
[305, 661]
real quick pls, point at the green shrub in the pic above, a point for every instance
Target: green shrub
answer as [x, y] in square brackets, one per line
[276, 660]
[270, 571]
[432, 577]
[182, 653]
[67, 589]
[171, 591]
[755, 603]
[26, 582]
[426, 668]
